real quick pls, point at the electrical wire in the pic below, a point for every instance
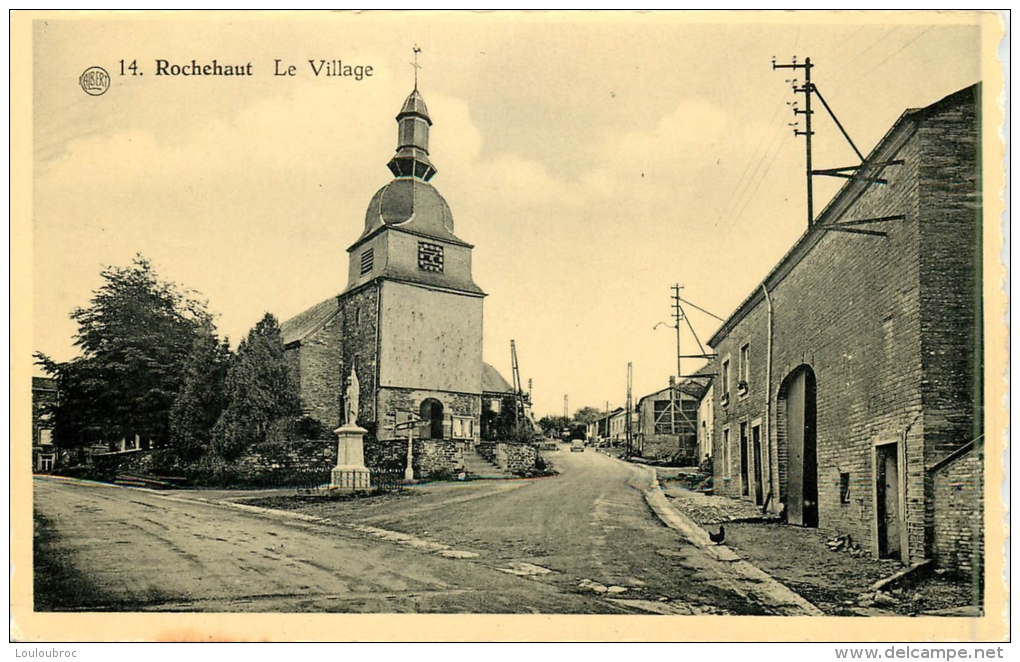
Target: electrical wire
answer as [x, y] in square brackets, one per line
[890, 56]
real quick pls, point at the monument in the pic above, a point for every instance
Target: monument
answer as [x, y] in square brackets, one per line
[350, 473]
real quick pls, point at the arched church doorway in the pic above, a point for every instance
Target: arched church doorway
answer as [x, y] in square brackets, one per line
[796, 413]
[432, 413]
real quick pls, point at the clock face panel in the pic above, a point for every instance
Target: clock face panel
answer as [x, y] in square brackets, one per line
[430, 257]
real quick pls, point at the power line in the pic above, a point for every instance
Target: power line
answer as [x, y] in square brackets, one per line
[873, 44]
[734, 199]
[748, 193]
[891, 56]
[847, 39]
[741, 187]
[748, 199]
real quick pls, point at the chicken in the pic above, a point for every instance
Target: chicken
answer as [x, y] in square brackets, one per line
[717, 538]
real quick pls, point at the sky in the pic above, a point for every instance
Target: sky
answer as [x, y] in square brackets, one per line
[592, 160]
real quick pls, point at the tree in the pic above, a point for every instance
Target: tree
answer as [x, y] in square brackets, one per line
[259, 390]
[553, 425]
[201, 399]
[135, 336]
[586, 415]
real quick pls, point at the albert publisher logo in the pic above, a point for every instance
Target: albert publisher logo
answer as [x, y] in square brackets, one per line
[95, 81]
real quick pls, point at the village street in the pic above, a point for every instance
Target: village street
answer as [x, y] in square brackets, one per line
[584, 541]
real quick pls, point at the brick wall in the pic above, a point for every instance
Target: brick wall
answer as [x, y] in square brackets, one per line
[855, 310]
[951, 313]
[959, 514]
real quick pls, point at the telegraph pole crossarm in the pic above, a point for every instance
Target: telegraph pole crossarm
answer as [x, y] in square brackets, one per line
[806, 90]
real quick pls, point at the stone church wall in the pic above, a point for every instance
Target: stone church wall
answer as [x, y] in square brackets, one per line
[430, 339]
[394, 400]
[318, 359]
[360, 324]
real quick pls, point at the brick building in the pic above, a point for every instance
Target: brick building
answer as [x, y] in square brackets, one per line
[409, 321]
[849, 389]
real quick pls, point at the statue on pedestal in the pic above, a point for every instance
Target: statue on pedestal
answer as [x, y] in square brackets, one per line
[351, 396]
[350, 473]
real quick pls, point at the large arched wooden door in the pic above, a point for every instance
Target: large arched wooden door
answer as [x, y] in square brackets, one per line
[797, 398]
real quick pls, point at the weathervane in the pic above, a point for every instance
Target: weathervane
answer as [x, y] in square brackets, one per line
[416, 65]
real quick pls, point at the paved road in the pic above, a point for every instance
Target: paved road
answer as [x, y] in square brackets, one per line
[581, 542]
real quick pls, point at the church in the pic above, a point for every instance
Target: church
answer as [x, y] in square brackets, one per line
[408, 323]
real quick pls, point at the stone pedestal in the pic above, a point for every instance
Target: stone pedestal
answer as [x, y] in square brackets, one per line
[350, 473]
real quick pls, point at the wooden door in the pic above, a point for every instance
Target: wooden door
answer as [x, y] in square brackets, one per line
[890, 521]
[759, 495]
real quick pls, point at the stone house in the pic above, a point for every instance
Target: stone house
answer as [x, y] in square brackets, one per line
[849, 391]
[409, 321]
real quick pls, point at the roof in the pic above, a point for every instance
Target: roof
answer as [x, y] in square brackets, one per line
[303, 324]
[44, 384]
[415, 105]
[686, 387]
[410, 204]
[846, 196]
[493, 382]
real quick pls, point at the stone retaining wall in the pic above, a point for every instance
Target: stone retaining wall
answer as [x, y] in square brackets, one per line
[511, 458]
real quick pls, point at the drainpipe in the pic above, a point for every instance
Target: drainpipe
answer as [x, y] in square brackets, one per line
[768, 397]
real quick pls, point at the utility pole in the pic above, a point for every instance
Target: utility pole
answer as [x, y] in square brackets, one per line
[869, 172]
[630, 406]
[674, 393]
[678, 316]
[807, 90]
[518, 391]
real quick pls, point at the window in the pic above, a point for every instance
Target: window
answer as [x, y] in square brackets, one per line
[744, 378]
[726, 451]
[725, 382]
[367, 259]
[844, 487]
[430, 257]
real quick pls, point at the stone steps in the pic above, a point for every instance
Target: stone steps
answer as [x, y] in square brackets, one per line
[477, 467]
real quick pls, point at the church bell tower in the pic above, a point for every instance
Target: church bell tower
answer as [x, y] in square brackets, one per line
[428, 308]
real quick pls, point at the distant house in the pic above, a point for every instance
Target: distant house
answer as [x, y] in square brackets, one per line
[706, 412]
[667, 423]
[44, 395]
[499, 404]
[849, 389]
[608, 427]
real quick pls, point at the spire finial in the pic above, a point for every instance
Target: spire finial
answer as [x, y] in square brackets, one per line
[416, 65]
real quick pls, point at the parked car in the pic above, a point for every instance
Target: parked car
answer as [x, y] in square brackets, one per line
[577, 446]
